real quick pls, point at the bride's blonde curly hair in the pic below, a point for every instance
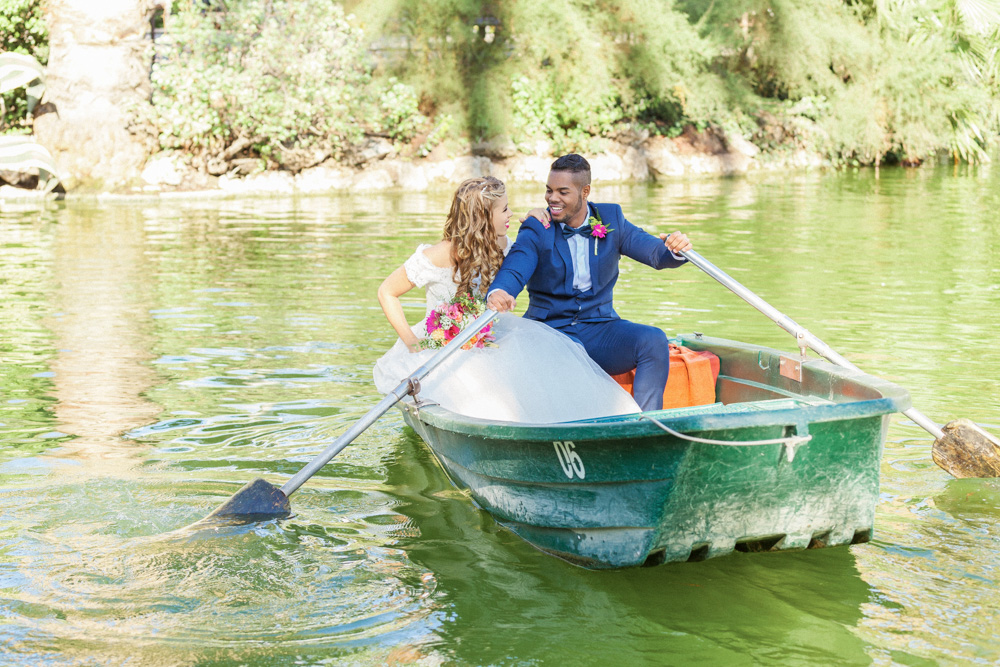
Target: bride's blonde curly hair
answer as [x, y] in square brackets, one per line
[469, 227]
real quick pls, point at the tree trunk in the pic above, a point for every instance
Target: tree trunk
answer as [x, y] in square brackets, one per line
[98, 77]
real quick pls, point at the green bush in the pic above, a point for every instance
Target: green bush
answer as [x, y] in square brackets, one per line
[565, 70]
[22, 30]
[279, 75]
[862, 80]
[399, 112]
[900, 80]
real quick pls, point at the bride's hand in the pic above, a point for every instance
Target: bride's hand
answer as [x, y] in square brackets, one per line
[540, 214]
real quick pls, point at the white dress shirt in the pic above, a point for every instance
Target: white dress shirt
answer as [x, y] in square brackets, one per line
[579, 249]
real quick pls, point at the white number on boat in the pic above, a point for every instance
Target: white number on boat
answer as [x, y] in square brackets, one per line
[570, 461]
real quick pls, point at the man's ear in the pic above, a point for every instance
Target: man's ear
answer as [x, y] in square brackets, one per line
[585, 191]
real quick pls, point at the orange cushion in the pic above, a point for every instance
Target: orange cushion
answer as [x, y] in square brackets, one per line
[692, 378]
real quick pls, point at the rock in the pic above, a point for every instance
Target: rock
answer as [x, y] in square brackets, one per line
[216, 166]
[297, 159]
[458, 169]
[524, 168]
[631, 135]
[372, 149]
[607, 167]
[737, 144]
[161, 170]
[279, 182]
[26, 178]
[244, 166]
[324, 179]
[8, 192]
[661, 157]
[634, 165]
[372, 181]
[706, 142]
[412, 177]
[498, 148]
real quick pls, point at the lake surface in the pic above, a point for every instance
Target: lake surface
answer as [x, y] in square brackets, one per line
[156, 355]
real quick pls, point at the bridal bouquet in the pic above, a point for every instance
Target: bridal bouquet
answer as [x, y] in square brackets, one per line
[447, 320]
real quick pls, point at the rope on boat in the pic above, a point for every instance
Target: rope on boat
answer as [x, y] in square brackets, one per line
[791, 443]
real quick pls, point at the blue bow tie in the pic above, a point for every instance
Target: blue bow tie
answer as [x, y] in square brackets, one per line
[582, 230]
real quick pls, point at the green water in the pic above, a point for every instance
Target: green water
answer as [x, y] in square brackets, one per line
[157, 355]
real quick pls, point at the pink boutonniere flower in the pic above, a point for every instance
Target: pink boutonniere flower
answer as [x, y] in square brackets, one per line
[598, 230]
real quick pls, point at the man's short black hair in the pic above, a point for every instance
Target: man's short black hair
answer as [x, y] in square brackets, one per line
[574, 164]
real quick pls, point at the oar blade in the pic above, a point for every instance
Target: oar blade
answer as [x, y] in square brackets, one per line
[258, 500]
[966, 450]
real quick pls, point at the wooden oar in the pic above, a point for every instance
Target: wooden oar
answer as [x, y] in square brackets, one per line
[260, 500]
[961, 448]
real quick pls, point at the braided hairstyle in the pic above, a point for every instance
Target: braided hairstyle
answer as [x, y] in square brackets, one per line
[469, 227]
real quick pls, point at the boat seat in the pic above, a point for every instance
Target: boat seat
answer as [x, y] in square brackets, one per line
[693, 374]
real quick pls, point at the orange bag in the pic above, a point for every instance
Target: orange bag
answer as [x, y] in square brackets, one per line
[692, 378]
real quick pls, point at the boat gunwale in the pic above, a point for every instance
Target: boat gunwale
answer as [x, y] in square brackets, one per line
[636, 426]
[893, 399]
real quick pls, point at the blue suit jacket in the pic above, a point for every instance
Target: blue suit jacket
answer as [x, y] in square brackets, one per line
[540, 259]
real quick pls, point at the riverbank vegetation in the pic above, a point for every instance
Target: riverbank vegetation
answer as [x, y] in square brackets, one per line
[22, 30]
[248, 84]
[860, 81]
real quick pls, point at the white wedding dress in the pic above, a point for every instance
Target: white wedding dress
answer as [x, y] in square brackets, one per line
[536, 374]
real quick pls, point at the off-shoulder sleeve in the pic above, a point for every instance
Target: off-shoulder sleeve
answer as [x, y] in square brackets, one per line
[419, 269]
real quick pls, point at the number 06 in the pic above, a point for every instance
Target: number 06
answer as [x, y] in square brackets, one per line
[570, 461]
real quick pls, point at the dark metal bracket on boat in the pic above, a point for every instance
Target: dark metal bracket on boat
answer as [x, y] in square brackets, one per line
[414, 386]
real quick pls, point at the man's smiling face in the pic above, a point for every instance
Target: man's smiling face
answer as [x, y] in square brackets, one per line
[566, 196]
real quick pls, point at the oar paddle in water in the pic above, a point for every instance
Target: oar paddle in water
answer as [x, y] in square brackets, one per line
[961, 447]
[260, 500]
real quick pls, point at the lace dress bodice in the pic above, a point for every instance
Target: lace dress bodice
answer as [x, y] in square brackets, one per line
[436, 280]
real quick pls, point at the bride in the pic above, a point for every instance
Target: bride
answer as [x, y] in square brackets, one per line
[534, 374]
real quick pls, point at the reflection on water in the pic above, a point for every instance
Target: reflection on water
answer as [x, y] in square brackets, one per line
[101, 331]
[158, 356]
[787, 607]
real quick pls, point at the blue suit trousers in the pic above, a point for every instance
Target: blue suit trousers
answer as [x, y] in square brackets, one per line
[618, 346]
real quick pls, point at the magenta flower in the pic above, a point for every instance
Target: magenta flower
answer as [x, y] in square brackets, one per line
[598, 230]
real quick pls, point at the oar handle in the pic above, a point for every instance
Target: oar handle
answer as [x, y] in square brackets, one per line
[802, 335]
[393, 397]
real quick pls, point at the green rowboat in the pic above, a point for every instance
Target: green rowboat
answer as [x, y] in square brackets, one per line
[788, 458]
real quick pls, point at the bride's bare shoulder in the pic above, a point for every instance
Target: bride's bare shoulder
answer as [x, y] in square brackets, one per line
[439, 254]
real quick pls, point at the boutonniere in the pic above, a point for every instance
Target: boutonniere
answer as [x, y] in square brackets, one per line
[598, 229]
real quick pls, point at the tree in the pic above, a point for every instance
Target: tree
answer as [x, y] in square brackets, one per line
[100, 55]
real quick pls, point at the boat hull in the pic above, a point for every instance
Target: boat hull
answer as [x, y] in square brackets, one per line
[621, 492]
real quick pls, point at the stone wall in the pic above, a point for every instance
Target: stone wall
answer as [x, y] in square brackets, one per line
[629, 159]
[643, 158]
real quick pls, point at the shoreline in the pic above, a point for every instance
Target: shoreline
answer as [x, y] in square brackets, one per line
[636, 159]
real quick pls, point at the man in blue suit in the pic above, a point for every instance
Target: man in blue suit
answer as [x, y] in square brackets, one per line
[570, 269]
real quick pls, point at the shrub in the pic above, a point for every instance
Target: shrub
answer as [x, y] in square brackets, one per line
[22, 30]
[278, 76]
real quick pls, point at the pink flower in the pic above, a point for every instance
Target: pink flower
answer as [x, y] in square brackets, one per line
[598, 230]
[455, 311]
[453, 331]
